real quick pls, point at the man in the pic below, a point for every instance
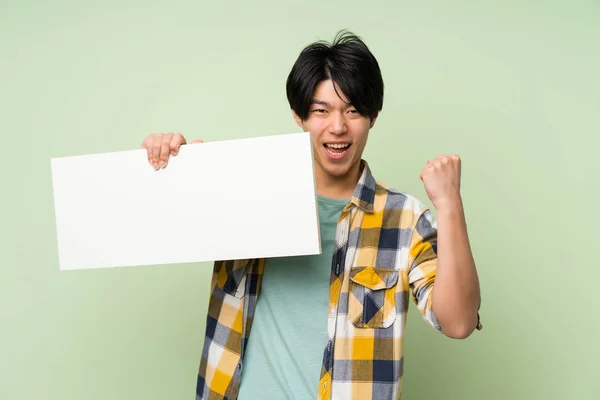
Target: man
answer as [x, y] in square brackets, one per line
[331, 326]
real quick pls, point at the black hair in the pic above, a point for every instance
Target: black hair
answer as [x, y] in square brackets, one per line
[349, 63]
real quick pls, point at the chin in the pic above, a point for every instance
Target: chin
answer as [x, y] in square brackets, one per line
[337, 171]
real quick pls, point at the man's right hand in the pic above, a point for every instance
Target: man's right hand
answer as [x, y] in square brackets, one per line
[162, 145]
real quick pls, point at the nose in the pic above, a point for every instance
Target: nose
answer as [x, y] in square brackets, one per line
[337, 124]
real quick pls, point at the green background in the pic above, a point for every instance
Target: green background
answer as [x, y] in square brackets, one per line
[511, 86]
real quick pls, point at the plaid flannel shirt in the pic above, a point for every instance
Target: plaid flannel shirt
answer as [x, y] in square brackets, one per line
[384, 253]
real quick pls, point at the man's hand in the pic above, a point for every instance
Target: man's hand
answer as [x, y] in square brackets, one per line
[162, 145]
[441, 178]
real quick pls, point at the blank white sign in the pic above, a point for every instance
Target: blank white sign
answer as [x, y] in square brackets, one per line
[235, 199]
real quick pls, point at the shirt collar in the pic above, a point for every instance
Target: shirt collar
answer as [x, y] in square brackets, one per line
[363, 196]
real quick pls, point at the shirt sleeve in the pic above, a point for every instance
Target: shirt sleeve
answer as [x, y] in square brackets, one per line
[423, 265]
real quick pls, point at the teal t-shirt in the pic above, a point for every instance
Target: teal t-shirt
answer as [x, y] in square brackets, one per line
[284, 353]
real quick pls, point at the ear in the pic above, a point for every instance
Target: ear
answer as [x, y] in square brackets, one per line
[373, 121]
[298, 120]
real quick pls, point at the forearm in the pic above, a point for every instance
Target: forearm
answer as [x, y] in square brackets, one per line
[456, 293]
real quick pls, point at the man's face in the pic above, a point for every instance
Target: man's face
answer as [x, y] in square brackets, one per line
[339, 133]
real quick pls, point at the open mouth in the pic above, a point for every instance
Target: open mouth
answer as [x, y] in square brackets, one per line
[337, 150]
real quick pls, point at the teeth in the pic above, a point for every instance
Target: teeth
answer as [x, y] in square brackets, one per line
[338, 146]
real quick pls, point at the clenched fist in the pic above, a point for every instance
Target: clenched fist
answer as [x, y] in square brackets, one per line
[441, 178]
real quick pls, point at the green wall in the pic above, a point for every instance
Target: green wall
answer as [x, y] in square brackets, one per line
[511, 86]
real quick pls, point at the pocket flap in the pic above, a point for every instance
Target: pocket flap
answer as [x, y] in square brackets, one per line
[374, 278]
[231, 276]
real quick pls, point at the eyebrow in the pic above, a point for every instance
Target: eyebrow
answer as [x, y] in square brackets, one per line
[321, 102]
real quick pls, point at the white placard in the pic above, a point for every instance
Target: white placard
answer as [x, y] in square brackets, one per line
[233, 199]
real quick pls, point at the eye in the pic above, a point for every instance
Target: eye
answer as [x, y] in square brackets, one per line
[319, 111]
[353, 111]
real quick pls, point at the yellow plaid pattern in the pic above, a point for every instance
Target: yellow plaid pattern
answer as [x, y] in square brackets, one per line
[385, 252]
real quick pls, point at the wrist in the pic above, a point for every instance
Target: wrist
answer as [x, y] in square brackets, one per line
[450, 204]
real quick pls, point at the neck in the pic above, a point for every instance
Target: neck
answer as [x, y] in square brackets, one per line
[337, 187]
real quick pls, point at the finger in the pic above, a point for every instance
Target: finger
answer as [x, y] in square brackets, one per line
[176, 142]
[147, 148]
[156, 145]
[165, 150]
[149, 151]
[438, 159]
[197, 141]
[148, 145]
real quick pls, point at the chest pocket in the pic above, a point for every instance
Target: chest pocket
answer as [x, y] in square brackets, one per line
[372, 297]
